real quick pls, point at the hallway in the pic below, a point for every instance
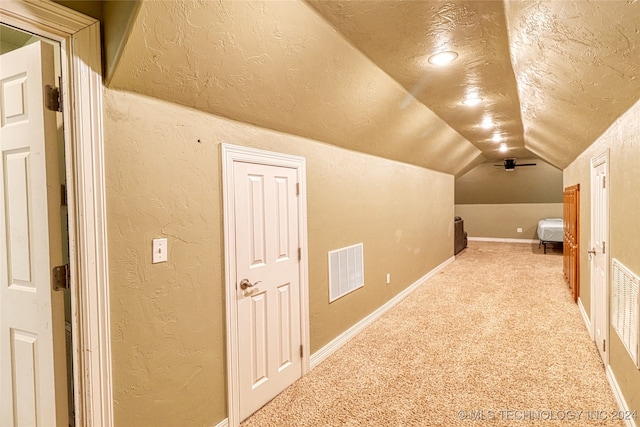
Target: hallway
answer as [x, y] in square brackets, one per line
[494, 338]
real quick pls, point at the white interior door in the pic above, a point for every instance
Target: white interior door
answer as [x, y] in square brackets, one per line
[32, 338]
[267, 266]
[599, 254]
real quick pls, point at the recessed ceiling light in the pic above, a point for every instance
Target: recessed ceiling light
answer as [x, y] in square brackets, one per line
[503, 147]
[472, 100]
[443, 58]
[487, 123]
[496, 137]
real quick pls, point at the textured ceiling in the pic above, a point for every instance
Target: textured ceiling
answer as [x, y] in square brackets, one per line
[552, 75]
[399, 38]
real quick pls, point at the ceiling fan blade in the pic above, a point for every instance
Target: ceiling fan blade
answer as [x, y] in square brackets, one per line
[526, 164]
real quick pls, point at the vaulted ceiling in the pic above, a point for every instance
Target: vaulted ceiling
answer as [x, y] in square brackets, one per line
[550, 76]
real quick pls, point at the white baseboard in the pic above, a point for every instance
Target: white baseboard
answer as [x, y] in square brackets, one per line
[503, 240]
[223, 423]
[320, 355]
[585, 317]
[617, 394]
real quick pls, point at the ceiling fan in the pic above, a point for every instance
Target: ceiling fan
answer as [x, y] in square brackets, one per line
[510, 164]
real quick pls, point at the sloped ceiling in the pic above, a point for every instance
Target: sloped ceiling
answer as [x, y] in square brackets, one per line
[552, 75]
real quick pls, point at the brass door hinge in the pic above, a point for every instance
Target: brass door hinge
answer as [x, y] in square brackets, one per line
[52, 99]
[61, 277]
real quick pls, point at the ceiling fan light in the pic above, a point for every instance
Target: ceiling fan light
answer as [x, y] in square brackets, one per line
[443, 58]
[509, 165]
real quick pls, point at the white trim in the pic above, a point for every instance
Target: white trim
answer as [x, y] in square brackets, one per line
[79, 38]
[223, 423]
[502, 240]
[91, 227]
[585, 317]
[44, 18]
[229, 155]
[617, 394]
[343, 338]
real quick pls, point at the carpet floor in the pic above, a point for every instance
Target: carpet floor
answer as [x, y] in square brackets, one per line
[495, 338]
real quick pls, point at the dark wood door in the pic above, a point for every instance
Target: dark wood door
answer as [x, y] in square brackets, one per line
[571, 207]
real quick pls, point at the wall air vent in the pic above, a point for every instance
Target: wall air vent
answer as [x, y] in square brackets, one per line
[346, 271]
[624, 308]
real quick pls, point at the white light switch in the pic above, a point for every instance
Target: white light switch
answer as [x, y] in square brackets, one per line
[160, 250]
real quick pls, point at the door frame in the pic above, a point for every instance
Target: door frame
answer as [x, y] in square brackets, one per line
[79, 38]
[230, 154]
[595, 162]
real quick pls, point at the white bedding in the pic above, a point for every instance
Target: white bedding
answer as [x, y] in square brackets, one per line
[550, 230]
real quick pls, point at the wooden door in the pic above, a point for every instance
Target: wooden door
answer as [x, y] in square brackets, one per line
[571, 241]
[32, 336]
[268, 287]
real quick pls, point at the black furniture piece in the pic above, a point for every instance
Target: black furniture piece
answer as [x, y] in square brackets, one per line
[460, 237]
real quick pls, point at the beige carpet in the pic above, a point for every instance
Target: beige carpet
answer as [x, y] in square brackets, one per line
[495, 338]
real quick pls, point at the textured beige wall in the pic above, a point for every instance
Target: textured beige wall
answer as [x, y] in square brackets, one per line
[164, 179]
[502, 220]
[279, 65]
[117, 18]
[495, 203]
[487, 183]
[622, 140]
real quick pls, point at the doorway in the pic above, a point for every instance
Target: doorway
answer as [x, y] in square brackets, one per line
[79, 40]
[266, 275]
[599, 253]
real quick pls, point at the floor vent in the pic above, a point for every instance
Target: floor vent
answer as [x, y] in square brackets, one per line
[625, 308]
[346, 271]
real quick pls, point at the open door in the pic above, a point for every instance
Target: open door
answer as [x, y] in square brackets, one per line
[33, 377]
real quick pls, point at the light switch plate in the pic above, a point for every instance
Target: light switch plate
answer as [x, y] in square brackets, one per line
[160, 250]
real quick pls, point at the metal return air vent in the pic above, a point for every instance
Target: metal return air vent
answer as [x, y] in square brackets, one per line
[624, 308]
[346, 271]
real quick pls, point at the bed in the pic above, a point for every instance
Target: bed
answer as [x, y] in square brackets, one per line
[550, 230]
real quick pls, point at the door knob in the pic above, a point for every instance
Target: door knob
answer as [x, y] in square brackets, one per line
[245, 284]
